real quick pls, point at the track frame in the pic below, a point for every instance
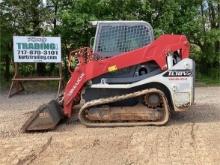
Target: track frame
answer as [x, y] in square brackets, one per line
[103, 101]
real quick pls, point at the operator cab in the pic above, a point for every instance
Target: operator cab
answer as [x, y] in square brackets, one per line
[115, 37]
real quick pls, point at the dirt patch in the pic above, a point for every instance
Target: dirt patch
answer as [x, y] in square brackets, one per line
[191, 137]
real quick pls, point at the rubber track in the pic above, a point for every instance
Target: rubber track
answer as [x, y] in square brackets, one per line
[102, 101]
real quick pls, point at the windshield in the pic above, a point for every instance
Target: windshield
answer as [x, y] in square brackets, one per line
[114, 39]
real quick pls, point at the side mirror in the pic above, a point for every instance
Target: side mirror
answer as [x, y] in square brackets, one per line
[91, 42]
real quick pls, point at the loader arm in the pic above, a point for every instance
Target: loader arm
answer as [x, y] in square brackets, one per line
[156, 51]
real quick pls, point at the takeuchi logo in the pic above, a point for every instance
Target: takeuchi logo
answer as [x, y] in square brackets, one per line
[79, 79]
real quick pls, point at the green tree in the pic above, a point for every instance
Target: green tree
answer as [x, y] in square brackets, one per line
[209, 36]
[199, 20]
[21, 18]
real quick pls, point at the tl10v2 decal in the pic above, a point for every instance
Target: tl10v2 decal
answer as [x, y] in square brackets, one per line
[178, 73]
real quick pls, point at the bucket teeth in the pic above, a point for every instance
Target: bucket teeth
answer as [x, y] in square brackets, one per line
[46, 117]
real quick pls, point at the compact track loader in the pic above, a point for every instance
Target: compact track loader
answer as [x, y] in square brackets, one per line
[126, 79]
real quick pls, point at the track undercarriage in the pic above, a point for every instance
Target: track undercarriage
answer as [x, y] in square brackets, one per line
[96, 113]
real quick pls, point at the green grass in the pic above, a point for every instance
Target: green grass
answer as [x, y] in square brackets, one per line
[3, 83]
[208, 81]
[210, 78]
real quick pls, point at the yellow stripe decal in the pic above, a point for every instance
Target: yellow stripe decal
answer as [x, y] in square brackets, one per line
[112, 68]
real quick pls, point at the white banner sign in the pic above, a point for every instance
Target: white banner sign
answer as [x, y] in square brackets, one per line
[37, 49]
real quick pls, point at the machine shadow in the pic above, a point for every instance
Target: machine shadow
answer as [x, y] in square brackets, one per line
[198, 113]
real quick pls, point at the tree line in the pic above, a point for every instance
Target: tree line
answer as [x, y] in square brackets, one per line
[199, 20]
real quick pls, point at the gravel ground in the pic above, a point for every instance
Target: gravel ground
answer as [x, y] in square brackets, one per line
[191, 137]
